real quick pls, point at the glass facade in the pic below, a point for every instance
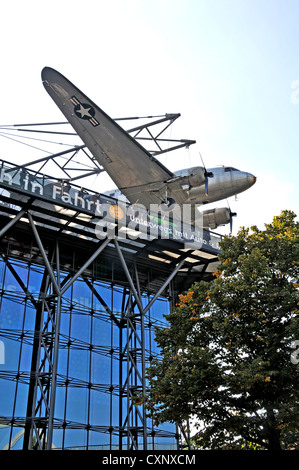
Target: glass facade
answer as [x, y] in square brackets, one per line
[92, 362]
[78, 313]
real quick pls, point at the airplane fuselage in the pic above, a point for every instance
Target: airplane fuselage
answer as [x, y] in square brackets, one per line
[226, 182]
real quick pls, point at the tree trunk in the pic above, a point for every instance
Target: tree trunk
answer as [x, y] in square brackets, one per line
[274, 440]
[273, 434]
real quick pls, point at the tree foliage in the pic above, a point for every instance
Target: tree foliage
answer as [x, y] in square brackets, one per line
[226, 355]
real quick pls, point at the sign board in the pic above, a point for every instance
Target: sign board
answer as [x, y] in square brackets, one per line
[114, 217]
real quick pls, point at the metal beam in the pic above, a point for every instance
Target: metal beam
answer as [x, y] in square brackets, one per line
[128, 276]
[134, 342]
[12, 223]
[85, 266]
[55, 356]
[43, 253]
[163, 287]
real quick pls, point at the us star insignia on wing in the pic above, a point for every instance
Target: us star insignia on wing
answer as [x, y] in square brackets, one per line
[84, 111]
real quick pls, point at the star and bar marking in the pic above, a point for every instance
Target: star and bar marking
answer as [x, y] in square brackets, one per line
[84, 111]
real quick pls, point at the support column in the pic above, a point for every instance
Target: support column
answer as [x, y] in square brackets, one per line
[42, 389]
[133, 424]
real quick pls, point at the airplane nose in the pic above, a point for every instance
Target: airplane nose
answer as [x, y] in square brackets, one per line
[251, 178]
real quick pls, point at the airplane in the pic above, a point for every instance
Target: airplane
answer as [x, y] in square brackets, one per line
[138, 175]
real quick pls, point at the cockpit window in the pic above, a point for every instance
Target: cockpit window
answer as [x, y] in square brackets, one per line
[230, 168]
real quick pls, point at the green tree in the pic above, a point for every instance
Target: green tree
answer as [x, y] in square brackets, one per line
[227, 353]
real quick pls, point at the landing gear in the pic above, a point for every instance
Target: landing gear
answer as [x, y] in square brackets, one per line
[167, 204]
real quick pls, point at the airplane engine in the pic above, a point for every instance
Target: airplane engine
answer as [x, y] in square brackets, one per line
[196, 176]
[214, 217]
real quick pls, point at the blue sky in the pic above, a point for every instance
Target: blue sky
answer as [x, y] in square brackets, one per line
[228, 66]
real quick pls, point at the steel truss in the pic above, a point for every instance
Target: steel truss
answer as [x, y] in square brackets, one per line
[151, 131]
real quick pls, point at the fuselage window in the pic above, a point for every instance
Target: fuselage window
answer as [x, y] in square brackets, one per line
[229, 168]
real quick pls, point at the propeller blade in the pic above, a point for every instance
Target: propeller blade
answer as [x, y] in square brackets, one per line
[206, 185]
[208, 174]
[232, 214]
[202, 160]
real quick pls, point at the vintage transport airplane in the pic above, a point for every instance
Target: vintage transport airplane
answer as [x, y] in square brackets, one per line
[138, 175]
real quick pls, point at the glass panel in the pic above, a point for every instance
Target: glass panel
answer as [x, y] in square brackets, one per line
[12, 313]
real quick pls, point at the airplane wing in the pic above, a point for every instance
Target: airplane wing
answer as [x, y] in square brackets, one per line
[138, 175]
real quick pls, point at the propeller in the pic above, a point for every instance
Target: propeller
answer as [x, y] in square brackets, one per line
[208, 174]
[231, 215]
